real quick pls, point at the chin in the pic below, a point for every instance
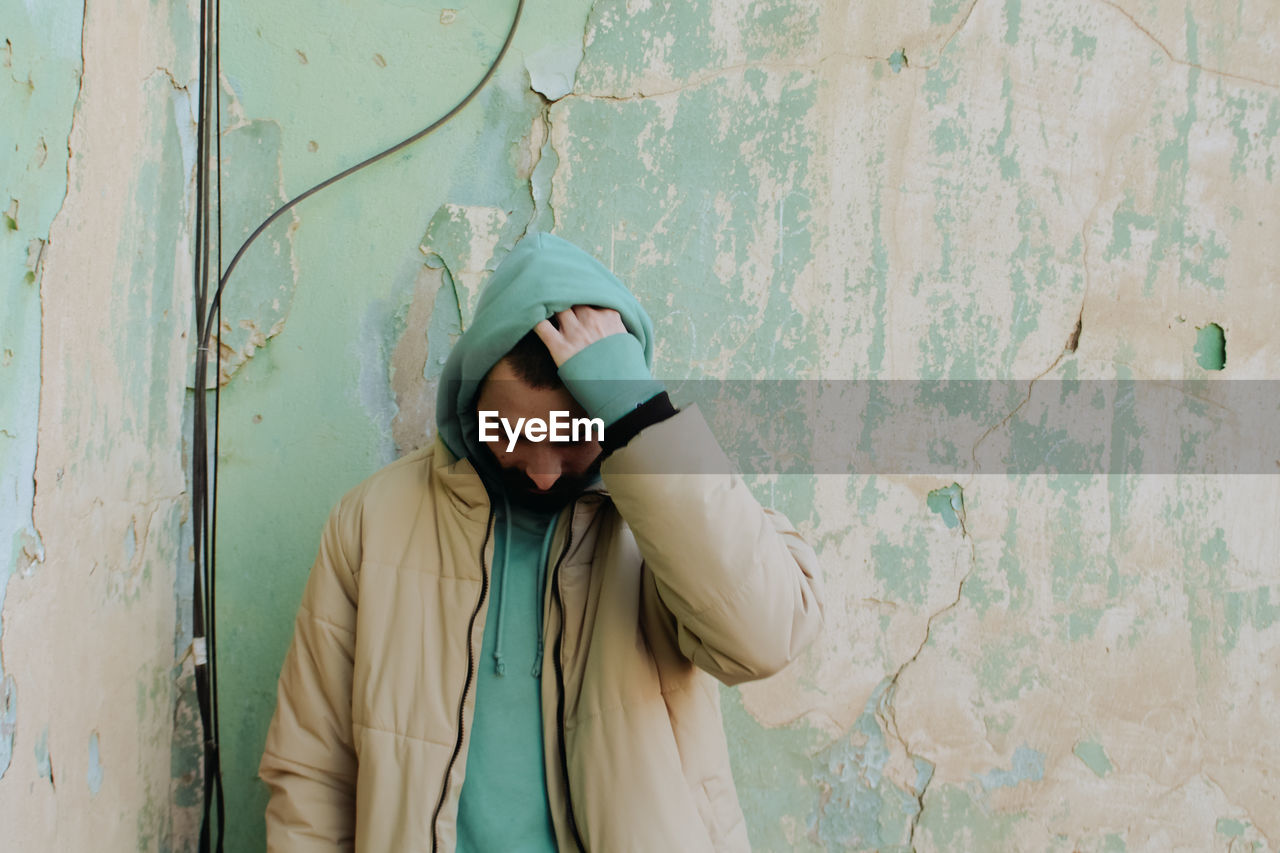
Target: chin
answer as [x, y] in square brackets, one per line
[551, 501]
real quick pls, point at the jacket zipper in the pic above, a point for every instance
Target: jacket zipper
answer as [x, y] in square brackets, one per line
[466, 687]
[564, 755]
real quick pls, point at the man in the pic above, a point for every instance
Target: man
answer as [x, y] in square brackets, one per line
[415, 711]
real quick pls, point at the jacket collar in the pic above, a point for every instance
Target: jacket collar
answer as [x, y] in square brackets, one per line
[460, 480]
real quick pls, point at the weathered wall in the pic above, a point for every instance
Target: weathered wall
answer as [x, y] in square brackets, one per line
[958, 188]
[95, 284]
[803, 189]
[880, 190]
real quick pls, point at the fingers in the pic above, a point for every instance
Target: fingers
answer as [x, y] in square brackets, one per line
[546, 331]
[599, 322]
[560, 347]
[573, 329]
[568, 319]
[604, 320]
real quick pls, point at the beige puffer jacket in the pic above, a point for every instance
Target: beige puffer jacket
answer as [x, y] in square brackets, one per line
[367, 748]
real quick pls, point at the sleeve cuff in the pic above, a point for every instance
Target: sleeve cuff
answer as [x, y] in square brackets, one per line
[609, 378]
[653, 411]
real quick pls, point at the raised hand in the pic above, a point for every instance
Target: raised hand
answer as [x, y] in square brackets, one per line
[576, 329]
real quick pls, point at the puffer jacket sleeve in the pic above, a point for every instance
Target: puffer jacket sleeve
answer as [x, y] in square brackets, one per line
[742, 585]
[309, 761]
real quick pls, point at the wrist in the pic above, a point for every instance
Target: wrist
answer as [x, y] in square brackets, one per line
[609, 378]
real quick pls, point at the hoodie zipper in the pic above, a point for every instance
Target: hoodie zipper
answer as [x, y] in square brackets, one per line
[466, 687]
[564, 755]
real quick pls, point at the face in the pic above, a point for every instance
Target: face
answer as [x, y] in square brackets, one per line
[541, 475]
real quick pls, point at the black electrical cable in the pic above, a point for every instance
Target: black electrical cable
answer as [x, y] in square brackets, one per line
[208, 316]
[199, 444]
[493, 67]
[212, 527]
[217, 413]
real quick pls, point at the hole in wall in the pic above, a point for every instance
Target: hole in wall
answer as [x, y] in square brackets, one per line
[1211, 347]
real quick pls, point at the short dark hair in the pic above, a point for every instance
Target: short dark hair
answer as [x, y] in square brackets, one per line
[532, 362]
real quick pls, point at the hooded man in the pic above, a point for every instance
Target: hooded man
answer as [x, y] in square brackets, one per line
[510, 642]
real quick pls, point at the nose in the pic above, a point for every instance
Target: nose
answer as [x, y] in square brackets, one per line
[543, 481]
[544, 470]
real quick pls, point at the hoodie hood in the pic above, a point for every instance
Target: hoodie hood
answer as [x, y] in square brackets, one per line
[541, 276]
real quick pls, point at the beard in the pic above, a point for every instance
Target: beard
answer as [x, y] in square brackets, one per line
[520, 490]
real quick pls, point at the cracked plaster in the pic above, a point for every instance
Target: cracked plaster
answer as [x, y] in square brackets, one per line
[101, 277]
[1056, 190]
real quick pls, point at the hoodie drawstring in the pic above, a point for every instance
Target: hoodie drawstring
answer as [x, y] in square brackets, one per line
[545, 553]
[499, 666]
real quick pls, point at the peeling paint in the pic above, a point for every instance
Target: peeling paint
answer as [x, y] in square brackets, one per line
[39, 43]
[1094, 757]
[8, 719]
[97, 305]
[1028, 766]
[44, 762]
[949, 503]
[552, 69]
[799, 189]
[862, 805]
[94, 775]
[1211, 347]
[257, 307]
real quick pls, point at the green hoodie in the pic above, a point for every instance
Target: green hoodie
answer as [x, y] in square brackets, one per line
[503, 806]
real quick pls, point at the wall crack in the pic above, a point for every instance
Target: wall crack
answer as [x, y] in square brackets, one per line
[887, 712]
[1069, 348]
[964, 21]
[1217, 72]
[173, 81]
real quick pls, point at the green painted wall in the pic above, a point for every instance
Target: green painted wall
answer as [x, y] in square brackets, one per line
[800, 189]
[96, 152]
[39, 45]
